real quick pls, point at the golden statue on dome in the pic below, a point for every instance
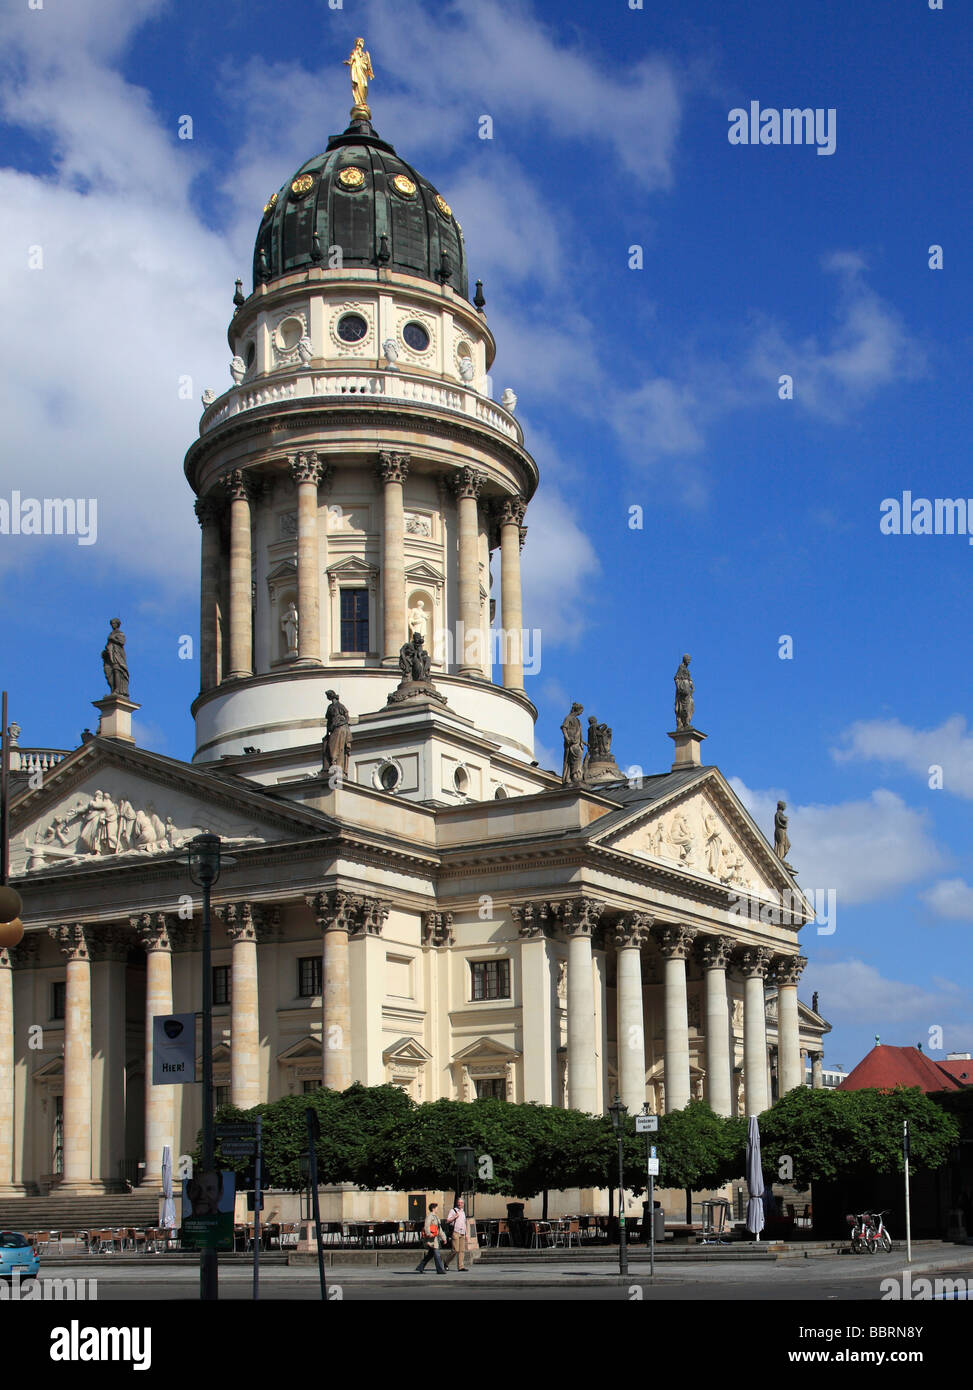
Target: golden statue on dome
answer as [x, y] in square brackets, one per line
[360, 62]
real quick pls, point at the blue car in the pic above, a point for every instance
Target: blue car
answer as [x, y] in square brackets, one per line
[18, 1256]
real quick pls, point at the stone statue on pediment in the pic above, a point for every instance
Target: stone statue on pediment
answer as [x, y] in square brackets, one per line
[573, 768]
[782, 842]
[684, 695]
[337, 744]
[113, 657]
[415, 664]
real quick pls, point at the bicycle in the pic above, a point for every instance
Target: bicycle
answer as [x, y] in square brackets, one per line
[877, 1234]
[868, 1233]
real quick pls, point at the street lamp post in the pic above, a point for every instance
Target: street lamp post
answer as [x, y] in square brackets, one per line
[204, 870]
[618, 1110]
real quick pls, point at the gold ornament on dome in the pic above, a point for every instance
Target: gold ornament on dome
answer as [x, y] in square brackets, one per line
[404, 185]
[360, 62]
[350, 177]
[272, 203]
[443, 206]
[302, 185]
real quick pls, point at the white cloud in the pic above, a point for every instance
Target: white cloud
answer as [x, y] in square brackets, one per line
[865, 850]
[950, 898]
[852, 991]
[559, 564]
[949, 747]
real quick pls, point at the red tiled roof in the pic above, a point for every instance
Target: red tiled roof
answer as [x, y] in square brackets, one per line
[960, 1069]
[886, 1067]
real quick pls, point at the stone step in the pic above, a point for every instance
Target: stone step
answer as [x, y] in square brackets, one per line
[72, 1213]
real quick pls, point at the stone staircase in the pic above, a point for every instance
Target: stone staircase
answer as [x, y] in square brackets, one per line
[79, 1213]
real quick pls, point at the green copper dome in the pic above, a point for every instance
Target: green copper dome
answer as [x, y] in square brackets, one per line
[361, 196]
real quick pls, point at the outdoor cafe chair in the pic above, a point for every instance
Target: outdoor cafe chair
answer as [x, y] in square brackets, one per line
[541, 1234]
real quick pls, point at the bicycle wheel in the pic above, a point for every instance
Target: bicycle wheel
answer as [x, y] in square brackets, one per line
[886, 1242]
[858, 1244]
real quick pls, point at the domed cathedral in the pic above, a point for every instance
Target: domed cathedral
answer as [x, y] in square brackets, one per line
[352, 487]
[405, 896]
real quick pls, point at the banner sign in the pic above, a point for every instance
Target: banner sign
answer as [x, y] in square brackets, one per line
[173, 1049]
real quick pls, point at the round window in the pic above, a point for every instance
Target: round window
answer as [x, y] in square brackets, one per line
[415, 337]
[461, 780]
[500, 794]
[389, 777]
[352, 328]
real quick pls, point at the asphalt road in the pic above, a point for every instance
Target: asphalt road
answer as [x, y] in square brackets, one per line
[834, 1279]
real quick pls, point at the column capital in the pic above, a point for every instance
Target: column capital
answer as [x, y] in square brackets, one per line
[531, 919]
[208, 510]
[374, 915]
[74, 941]
[306, 468]
[335, 911]
[25, 955]
[152, 930]
[243, 921]
[715, 952]
[467, 482]
[510, 511]
[393, 467]
[753, 962]
[787, 970]
[109, 943]
[632, 930]
[437, 929]
[674, 942]
[579, 916]
[239, 485]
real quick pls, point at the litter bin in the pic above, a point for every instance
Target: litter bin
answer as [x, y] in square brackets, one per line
[659, 1221]
[516, 1223]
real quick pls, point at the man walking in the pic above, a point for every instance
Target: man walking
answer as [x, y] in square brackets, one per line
[430, 1235]
[457, 1220]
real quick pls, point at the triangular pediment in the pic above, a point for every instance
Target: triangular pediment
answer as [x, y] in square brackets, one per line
[109, 803]
[704, 830]
[486, 1050]
[423, 573]
[352, 567]
[406, 1050]
[303, 1048]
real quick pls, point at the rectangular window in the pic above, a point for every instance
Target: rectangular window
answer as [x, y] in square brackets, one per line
[491, 979]
[308, 1086]
[221, 984]
[493, 1088]
[309, 976]
[58, 996]
[221, 1096]
[354, 620]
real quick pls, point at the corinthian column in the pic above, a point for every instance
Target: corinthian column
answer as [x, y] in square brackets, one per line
[74, 942]
[511, 599]
[160, 1101]
[466, 484]
[208, 512]
[393, 470]
[753, 963]
[240, 492]
[6, 1069]
[791, 1073]
[631, 931]
[580, 917]
[308, 473]
[336, 913]
[715, 954]
[675, 944]
[241, 928]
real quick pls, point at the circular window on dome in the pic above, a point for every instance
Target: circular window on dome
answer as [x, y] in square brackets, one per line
[389, 777]
[351, 328]
[461, 780]
[351, 177]
[415, 337]
[443, 206]
[289, 334]
[304, 184]
[404, 185]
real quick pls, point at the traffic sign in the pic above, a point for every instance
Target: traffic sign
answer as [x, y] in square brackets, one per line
[646, 1124]
[653, 1168]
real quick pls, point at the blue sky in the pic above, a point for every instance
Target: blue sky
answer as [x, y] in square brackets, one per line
[653, 387]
